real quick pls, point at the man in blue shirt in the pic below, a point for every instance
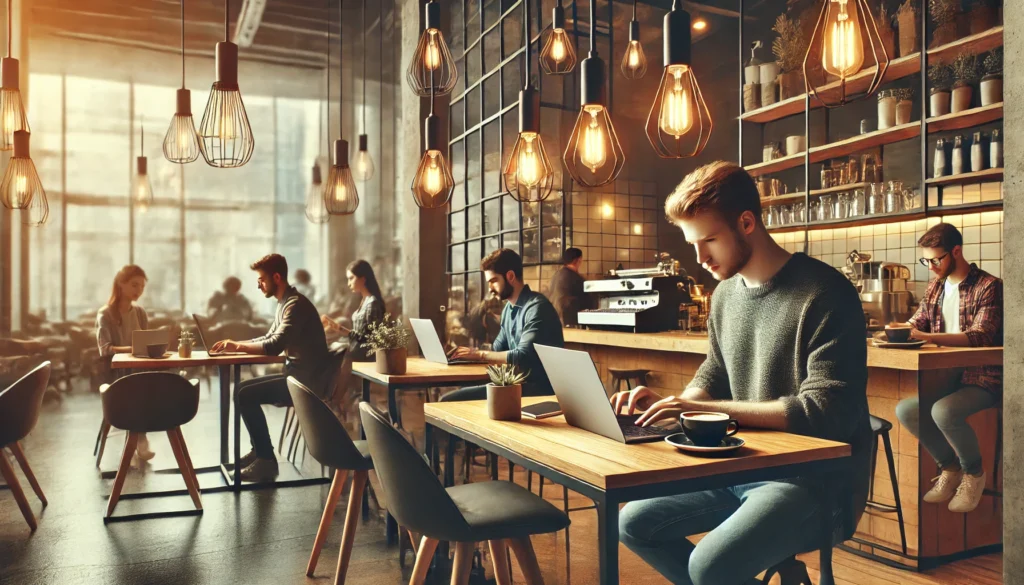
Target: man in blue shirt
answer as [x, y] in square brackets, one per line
[527, 318]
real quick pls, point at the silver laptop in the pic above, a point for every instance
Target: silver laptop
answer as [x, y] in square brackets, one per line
[585, 403]
[430, 343]
[144, 337]
[208, 346]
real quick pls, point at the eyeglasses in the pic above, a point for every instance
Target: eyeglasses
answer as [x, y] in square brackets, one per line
[934, 262]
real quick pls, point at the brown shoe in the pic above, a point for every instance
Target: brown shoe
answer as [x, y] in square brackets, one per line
[260, 471]
[247, 459]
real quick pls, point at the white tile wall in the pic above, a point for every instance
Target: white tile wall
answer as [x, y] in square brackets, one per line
[619, 226]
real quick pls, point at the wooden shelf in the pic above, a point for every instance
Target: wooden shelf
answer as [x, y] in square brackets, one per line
[979, 43]
[865, 141]
[964, 178]
[784, 229]
[863, 220]
[839, 189]
[966, 119]
[966, 208]
[898, 69]
[787, 198]
[779, 164]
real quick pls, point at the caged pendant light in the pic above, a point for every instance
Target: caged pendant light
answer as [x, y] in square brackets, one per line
[142, 189]
[432, 185]
[12, 110]
[679, 124]
[316, 209]
[528, 174]
[432, 69]
[225, 136]
[845, 39]
[593, 155]
[634, 62]
[181, 144]
[340, 194]
[558, 57]
[364, 162]
[21, 187]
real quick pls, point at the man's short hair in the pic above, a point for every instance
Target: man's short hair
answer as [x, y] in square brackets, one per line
[943, 236]
[501, 261]
[721, 187]
[272, 264]
[571, 255]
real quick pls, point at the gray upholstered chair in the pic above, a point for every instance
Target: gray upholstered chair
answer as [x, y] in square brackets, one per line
[329, 444]
[19, 411]
[499, 512]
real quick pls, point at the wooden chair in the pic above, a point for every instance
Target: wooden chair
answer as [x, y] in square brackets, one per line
[19, 411]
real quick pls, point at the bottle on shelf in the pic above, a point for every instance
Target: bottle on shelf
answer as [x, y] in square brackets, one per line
[957, 166]
[995, 150]
[939, 163]
[977, 153]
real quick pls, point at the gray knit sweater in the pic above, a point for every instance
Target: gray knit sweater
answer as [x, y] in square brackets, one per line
[799, 338]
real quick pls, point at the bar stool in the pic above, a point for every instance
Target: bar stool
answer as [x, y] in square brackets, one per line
[152, 402]
[19, 412]
[625, 376]
[880, 428]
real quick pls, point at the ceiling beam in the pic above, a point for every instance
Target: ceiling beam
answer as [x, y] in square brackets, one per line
[249, 19]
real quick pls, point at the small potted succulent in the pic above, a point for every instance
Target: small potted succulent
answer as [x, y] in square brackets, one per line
[389, 339]
[966, 73]
[904, 104]
[941, 78]
[505, 392]
[789, 49]
[992, 83]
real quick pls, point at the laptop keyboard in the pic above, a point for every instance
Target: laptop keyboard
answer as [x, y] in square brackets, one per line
[627, 422]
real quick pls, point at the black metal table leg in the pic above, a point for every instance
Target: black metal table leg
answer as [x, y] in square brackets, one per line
[825, 507]
[238, 430]
[393, 414]
[362, 435]
[224, 376]
[608, 541]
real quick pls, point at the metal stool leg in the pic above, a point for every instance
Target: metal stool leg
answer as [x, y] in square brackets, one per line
[871, 475]
[895, 489]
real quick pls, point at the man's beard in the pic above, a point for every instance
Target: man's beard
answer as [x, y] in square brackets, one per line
[271, 290]
[506, 290]
[744, 252]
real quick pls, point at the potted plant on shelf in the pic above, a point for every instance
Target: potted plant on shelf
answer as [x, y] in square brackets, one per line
[886, 109]
[966, 72]
[941, 78]
[505, 392]
[943, 13]
[909, 26]
[992, 83]
[904, 104]
[789, 49]
[981, 15]
[389, 340]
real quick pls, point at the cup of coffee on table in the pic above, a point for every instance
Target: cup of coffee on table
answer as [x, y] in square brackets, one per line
[707, 429]
[897, 332]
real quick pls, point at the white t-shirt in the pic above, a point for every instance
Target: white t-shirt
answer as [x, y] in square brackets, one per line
[951, 307]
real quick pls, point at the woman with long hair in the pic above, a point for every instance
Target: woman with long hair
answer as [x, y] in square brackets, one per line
[363, 282]
[116, 321]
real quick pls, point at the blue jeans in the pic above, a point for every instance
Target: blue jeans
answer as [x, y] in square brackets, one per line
[750, 528]
[955, 440]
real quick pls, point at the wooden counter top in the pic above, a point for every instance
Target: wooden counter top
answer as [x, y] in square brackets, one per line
[928, 358]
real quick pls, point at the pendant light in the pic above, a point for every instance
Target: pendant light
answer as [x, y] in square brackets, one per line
[432, 185]
[37, 213]
[558, 57]
[225, 135]
[634, 62]
[845, 39]
[21, 186]
[432, 69]
[679, 124]
[364, 162]
[142, 190]
[528, 174]
[593, 155]
[12, 110]
[316, 209]
[340, 194]
[181, 144]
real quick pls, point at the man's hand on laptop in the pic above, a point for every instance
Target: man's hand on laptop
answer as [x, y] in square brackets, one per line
[464, 353]
[225, 345]
[638, 399]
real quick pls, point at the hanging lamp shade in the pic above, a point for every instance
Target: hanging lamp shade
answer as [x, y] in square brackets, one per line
[363, 167]
[142, 189]
[679, 124]
[340, 194]
[225, 136]
[432, 63]
[316, 209]
[12, 110]
[181, 144]
[634, 62]
[558, 56]
[432, 185]
[37, 213]
[844, 43]
[21, 185]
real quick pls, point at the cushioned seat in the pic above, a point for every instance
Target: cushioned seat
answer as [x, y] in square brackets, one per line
[20, 404]
[501, 509]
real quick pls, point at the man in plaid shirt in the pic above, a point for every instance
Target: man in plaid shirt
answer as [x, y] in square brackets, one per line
[963, 307]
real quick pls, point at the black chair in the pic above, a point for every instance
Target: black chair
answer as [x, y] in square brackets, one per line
[880, 428]
[499, 512]
[19, 411]
[329, 443]
[150, 402]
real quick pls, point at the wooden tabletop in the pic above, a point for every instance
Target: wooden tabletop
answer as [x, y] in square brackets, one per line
[198, 358]
[606, 463]
[420, 371]
[677, 341]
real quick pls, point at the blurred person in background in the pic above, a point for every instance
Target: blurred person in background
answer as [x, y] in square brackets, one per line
[228, 304]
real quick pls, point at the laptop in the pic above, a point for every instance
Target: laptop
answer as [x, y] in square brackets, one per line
[208, 346]
[430, 343]
[583, 399]
[143, 337]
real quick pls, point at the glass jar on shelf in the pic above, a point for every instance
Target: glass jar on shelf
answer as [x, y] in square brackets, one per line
[826, 177]
[826, 209]
[876, 199]
[858, 203]
[894, 197]
[911, 199]
[814, 211]
[799, 212]
[842, 206]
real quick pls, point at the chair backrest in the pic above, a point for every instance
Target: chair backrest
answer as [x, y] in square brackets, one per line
[415, 496]
[150, 402]
[326, 438]
[20, 403]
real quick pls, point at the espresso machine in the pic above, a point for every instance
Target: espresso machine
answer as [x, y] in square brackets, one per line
[882, 286]
[640, 300]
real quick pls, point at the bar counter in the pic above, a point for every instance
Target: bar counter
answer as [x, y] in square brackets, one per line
[934, 534]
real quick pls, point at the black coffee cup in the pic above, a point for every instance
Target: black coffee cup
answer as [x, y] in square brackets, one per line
[897, 333]
[707, 429]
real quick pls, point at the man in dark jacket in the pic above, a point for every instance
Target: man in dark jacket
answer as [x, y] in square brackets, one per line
[566, 288]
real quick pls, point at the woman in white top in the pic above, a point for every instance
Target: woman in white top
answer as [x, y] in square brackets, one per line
[116, 321]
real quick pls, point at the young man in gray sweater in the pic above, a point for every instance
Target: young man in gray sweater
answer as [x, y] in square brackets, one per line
[787, 352]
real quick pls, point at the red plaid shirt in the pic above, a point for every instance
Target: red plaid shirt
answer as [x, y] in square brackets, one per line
[981, 318]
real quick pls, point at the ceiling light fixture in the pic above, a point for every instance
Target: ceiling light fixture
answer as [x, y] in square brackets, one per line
[845, 39]
[558, 57]
[634, 62]
[181, 144]
[12, 110]
[364, 162]
[21, 187]
[225, 136]
[700, 24]
[679, 124]
[432, 69]
[142, 189]
[316, 209]
[340, 194]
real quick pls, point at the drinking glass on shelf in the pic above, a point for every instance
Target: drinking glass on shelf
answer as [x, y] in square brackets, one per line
[842, 206]
[799, 212]
[894, 197]
[814, 210]
[826, 209]
[876, 200]
[858, 204]
[910, 199]
[773, 216]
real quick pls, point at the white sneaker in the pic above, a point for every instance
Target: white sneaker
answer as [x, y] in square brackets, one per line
[143, 450]
[968, 495]
[944, 488]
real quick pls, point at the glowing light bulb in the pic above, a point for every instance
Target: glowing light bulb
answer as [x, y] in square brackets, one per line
[676, 116]
[432, 55]
[431, 181]
[633, 54]
[607, 210]
[530, 170]
[558, 52]
[843, 53]
[21, 187]
[595, 153]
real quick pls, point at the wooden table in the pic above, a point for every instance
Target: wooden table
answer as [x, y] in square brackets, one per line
[610, 473]
[224, 365]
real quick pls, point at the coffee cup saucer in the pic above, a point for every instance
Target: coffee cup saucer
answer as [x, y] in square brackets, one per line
[912, 344]
[683, 443]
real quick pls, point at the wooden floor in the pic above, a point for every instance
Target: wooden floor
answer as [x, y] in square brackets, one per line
[264, 537]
